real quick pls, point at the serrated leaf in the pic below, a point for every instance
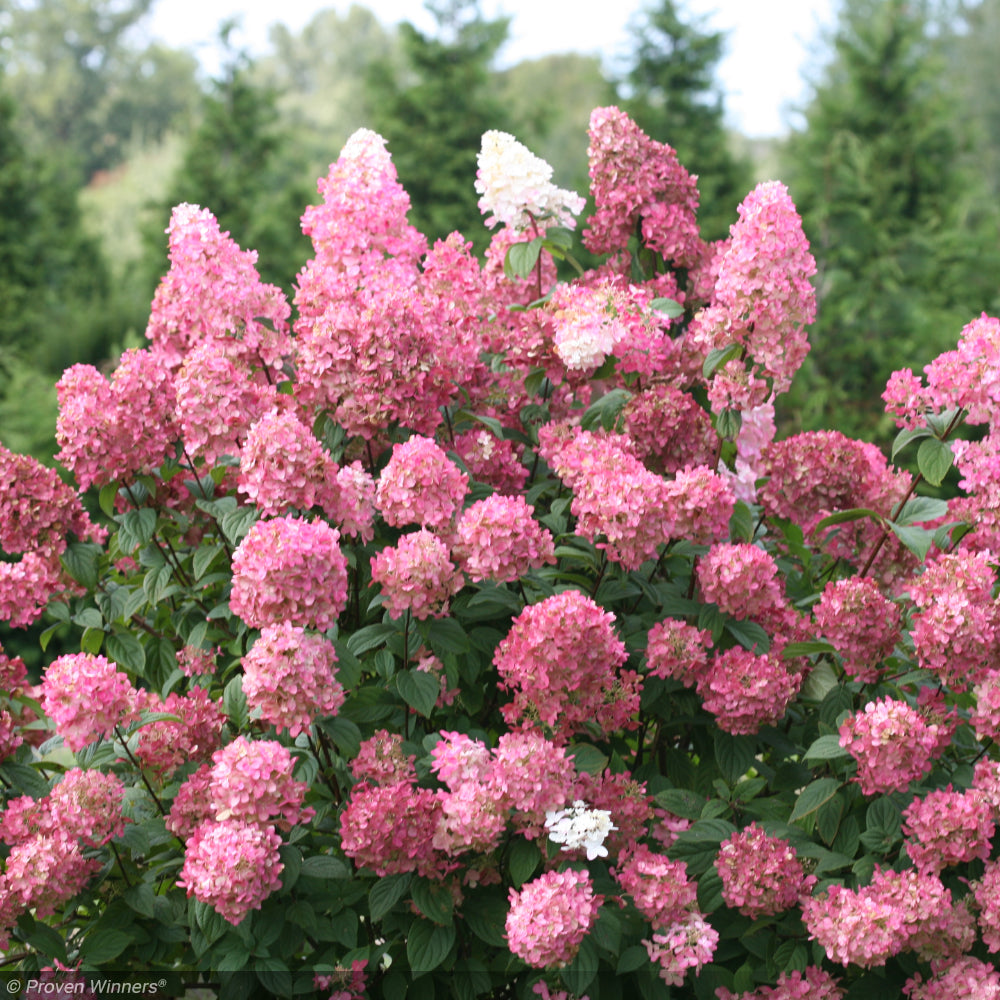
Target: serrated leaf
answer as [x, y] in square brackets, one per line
[588, 759]
[237, 523]
[934, 459]
[604, 411]
[325, 867]
[420, 690]
[127, 651]
[204, 556]
[386, 893]
[734, 755]
[106, 498]
[234, 701]
[681, 802]
[728, 424]
[103, 945]
[854, 514]
[136, 529]
[794, 649]
[904, 437]
[446, 635]
[825, 748]
[917, 540]
[428, 944]
[524, 858]
[813, 796]
[434, 900]
[749, 635]
[918, 509]
[669, 307]
[741, 523]
[521, 258]
[717, 357]
[80, 561]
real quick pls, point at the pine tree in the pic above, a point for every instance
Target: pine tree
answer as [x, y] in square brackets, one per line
[240, 164]
[671, 92]
[904, 237]
[434, 114]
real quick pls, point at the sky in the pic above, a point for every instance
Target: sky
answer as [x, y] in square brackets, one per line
[770, 44]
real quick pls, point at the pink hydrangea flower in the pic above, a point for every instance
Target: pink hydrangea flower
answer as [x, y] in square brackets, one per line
[470, 819]
[562, 660]
[987, 896]
[46, 870]
[232, 866]
[860, 622]
[457, 759]
[251, 782]
[213, 292]
[390, 829]
[355, 512]
[290, 675]
[491, 460]
[892, 744]
[86, 697]
[380, 760]
[745, 691]
[282, 465]
[813, 984]
[669, 429]
[550, 916]
[114, 431]
[659, 887]
[88, 805]
[420, 485]
[499, 539]
[417, 575]
[689, 944]
[946, 828]
[165, 745]
[699, 503]
[637, 180]
[741, 578]
[678, 650]
[289, 570]
[761, 875]
[193, 803]
[962, 978]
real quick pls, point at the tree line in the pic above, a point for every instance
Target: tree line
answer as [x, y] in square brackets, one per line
[895, 165]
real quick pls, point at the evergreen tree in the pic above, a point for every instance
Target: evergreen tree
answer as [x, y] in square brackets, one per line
[433, 115]
[241, 166]
[904, 237]
[671, 93]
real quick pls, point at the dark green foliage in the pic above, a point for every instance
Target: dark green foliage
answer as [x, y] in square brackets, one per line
[87, 91]
[53, 282]
[905, 250]
[240, 165]
[671, 93]
[434, 112]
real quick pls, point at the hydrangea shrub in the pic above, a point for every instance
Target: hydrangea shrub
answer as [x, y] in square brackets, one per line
[461, 629]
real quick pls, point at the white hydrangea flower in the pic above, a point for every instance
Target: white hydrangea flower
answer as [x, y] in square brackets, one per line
[578, 827]
[516, 186]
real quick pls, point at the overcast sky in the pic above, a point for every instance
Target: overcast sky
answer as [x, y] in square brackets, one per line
[769, 42]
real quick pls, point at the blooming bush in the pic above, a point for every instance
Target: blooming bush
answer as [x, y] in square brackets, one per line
[461, 629]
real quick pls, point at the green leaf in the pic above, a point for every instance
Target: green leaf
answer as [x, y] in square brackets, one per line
[485, 914]
[903, 438]
[137, 527]
[521, 258]
[127, 651]
[917, 540]
[826, 748]
[325, 867]
[80, 561]
[632, 958]
[605, 410]
[813, 796]
[681, 802]
[106, 499]
[749, 635]
[27, 780]
[204, 556]
[237, 523]
[386, 893]
[369, 637]
[921, 509]
[741, 523]
[524, 858]
[142, 899]
[934, 459]
[734, 755]
[794, 649]
[718, 356]
[669, 307]
[420, 690]
[434, 900]
[728, 424]
[104, 945]
[446, 635]
[854, 514]
[428, 944]
[234, 701]
[588, 759]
